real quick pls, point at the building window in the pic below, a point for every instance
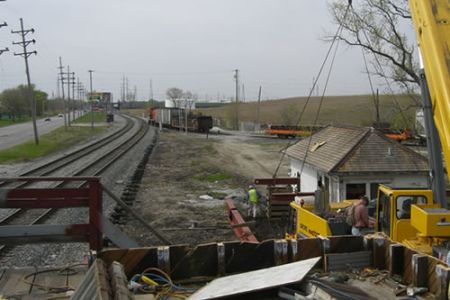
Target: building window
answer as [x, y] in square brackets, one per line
[355, 190]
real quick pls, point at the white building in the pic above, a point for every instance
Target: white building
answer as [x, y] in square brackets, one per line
[180, 103]
[352, 161]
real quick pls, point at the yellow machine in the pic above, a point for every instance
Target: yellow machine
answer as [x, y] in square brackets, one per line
[408, 216]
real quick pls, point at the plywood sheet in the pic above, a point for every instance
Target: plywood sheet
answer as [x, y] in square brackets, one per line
[256, 280]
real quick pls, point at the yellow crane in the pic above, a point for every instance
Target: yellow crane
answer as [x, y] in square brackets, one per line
[417, 218]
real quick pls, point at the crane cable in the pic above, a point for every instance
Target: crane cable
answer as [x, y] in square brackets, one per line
[383, 74]
[335, 38]
[320, 106]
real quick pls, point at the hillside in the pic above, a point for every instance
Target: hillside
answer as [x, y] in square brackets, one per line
[339, 110]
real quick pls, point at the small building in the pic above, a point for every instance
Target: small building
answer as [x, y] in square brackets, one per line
[353, 161]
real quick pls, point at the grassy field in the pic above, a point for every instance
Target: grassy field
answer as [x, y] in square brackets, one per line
[99, 117]
[52, 142]
[339, 110]
[356, 110]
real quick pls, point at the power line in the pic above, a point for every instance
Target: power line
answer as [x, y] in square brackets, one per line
[25, 54]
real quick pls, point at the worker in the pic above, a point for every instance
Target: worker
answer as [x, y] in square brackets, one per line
[360, 217]
[253, 198]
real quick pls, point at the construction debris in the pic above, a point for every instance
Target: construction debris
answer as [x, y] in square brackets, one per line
[256, 280]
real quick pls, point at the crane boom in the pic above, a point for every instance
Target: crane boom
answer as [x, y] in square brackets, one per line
[431, 19]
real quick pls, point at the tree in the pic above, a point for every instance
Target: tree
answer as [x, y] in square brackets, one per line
[189, 99]
[41, 102]
[175, 94]
[14, 102]
[374, 25]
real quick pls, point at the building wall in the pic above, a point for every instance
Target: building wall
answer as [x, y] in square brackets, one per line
[308, 178]
[395, 180]
[338, 183]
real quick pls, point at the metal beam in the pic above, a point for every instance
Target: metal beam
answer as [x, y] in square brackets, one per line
[242, 232]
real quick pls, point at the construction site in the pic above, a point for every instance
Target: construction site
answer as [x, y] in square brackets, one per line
[178, 198]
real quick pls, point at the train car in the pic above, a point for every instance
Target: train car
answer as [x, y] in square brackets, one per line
[176, 118]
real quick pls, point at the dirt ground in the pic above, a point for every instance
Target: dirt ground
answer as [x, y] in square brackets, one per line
[187, 179]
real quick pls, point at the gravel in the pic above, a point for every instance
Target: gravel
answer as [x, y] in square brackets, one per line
[115, 178]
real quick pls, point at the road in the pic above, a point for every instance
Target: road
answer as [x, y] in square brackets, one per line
[17, 134]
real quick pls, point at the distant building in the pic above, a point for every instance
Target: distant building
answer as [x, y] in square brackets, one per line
[101, 100]
[180, 103]
[352, 161]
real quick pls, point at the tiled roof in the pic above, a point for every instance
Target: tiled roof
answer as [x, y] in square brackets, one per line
[355, 150]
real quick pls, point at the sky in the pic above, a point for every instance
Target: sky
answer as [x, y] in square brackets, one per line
[191, 44]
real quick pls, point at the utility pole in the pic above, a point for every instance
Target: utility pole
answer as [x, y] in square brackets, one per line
[74, 100]
[68, 94]
[6, 48]
[257, 107]
[236, 77]
[61, 73]
[90, 99]
[243, 93]
[25, 54]
[151, 89]
[377, 107]
[127, 94]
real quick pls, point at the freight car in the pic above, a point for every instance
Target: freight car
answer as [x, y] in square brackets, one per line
[178, 118]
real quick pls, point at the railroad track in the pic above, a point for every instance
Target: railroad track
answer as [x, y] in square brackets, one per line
[65, 160]
[95, 168]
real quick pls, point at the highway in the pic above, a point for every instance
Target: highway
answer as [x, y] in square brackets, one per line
[17, 134]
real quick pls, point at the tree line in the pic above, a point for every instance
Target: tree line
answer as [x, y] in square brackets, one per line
[14, 103]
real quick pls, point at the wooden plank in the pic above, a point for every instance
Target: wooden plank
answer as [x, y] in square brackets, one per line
[255, 280]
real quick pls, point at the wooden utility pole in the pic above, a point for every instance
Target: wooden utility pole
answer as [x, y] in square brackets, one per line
[257, 107]
[61, 74]
[74, 100]
[90, 99]
[6, 48]
[236, 77]
[25, 54]
[151, 89]
[69, 80]
[377, 107]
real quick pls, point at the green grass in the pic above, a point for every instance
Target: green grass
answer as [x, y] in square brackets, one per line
[54, 141]
[213, 177]
[99, 117]
[7, 122]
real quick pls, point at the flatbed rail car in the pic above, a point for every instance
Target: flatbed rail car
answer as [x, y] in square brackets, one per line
[287, 131]
[177, 118]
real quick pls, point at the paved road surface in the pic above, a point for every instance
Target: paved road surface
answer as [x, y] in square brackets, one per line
[23, 132]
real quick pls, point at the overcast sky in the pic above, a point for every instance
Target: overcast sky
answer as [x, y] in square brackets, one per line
[191, 44]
